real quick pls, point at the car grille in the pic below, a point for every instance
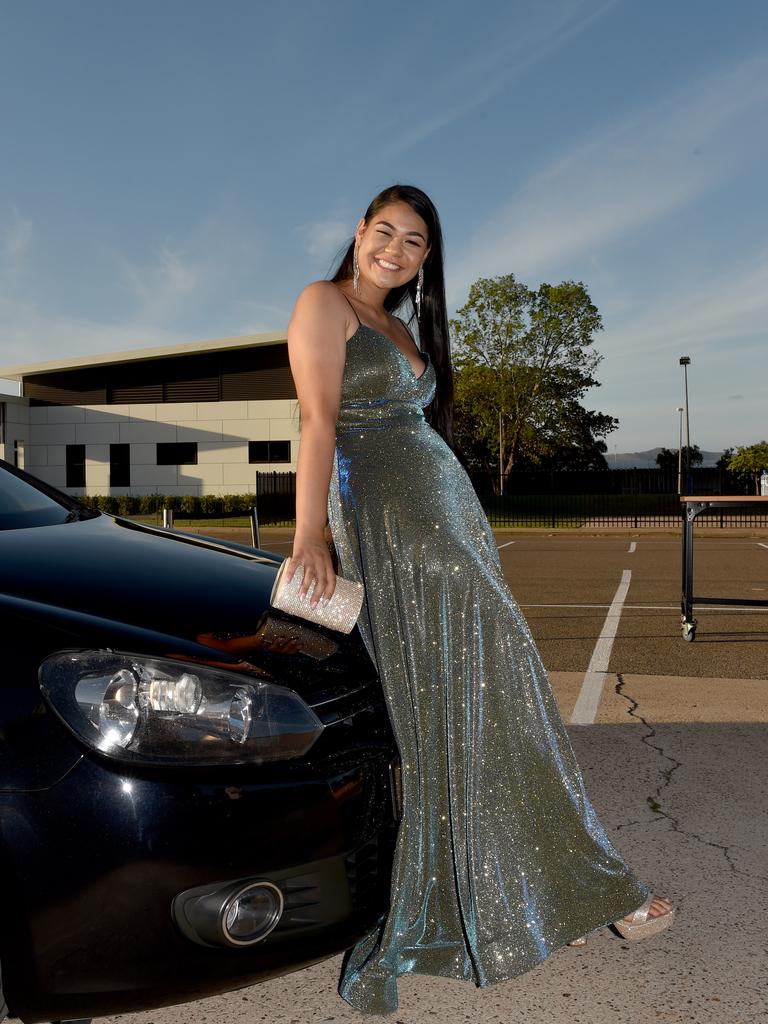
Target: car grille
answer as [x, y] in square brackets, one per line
[330, 890]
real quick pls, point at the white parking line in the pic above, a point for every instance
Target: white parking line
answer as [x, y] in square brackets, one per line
[585, 709]
[633, 547]
[505, 545]
[760, 544]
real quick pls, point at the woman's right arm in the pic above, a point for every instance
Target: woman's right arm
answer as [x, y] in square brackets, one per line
[317, 353]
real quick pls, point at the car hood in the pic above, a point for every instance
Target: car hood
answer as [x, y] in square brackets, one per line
[107, 576]
[114, 568]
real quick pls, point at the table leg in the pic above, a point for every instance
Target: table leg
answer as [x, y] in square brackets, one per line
[687, 621]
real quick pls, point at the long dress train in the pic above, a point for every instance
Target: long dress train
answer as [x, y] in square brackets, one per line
[500, 857]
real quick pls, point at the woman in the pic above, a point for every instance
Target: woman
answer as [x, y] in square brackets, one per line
[500, 858]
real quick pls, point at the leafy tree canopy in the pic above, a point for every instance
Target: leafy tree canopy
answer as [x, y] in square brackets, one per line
[524, 361]
[725, 458]
[749, 462]
[667, 457]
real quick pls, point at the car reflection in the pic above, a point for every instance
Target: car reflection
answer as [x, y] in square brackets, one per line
[277, 635]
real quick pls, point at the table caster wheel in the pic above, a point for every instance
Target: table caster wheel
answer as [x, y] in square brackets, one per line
[689, 631]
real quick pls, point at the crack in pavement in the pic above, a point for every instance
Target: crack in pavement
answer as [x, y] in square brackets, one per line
[667, 773]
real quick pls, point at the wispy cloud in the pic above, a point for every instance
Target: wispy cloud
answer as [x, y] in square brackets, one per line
[15, 240]
[167, 280]
[186, 274]
[28, 335]
[250, 316]
[721, 321]
[625, 176]
[170, 297]
[721, 309]
[323, 238]
[474, 82]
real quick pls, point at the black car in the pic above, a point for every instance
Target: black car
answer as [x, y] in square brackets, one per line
[196, 792]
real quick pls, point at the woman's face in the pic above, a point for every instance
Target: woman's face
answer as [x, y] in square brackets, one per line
[392, 246]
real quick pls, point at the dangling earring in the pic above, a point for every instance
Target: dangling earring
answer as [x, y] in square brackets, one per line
[419, 291]
[355, 272]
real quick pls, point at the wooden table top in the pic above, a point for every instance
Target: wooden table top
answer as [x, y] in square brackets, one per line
[712, 498]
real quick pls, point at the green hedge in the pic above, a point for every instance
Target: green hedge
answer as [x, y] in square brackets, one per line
[149, 504]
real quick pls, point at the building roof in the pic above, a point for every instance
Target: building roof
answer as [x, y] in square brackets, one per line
[141, 354]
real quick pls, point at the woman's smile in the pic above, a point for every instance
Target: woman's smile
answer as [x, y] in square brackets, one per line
[386, 264]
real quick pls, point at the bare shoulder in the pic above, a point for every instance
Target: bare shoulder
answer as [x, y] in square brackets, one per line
[320, 299]
[317, 349]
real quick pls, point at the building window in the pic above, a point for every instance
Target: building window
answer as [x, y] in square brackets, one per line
[269, 451]
[177, 453]
[119, 465]
[75, 465]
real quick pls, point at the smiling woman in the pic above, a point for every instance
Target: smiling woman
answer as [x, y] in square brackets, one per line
[395, 251]
[500, 858]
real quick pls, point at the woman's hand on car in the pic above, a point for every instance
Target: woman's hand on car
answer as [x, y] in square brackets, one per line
[314, 555]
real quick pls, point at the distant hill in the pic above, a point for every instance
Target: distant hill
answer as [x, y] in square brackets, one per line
[647, 460]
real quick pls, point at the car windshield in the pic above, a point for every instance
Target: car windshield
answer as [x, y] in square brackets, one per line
[24, 504]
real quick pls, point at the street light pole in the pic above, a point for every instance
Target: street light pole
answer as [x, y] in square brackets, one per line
[685, 362]
[680, 452]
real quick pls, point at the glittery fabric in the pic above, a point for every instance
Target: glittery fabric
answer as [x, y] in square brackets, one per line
[500, 857]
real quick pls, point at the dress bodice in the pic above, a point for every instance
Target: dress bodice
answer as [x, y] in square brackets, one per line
[380, 382]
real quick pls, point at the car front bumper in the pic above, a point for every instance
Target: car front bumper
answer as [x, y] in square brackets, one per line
[92, 867]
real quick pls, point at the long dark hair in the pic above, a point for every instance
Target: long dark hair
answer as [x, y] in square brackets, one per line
[433, 321]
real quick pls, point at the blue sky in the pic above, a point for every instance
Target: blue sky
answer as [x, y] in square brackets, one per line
[178, 170]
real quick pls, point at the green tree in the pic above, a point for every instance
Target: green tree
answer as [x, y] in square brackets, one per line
[725, 458]
[749, 462]
[524, 361]
[667, 457]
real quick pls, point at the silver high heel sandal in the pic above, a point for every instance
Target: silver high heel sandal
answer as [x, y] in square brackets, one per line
[641, 926]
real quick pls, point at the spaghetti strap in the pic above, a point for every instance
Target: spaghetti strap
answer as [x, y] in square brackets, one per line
[405, 325]
[360, 322]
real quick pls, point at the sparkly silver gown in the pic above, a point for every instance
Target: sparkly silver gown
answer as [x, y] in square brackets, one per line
[500, 857]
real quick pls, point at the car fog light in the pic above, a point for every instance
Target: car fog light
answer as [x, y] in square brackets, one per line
[229, 914]
[252, 913]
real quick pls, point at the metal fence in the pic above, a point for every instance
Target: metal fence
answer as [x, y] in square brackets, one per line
[624, 502]
[713, 480]
[606, 510]
[276, 498]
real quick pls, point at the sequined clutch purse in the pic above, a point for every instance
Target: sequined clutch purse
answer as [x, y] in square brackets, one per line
[339, 613]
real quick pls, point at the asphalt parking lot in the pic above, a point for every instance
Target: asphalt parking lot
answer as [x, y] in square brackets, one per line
[672, 740]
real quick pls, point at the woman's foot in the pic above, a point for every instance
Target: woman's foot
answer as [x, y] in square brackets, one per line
[659, 906]
[653, 916]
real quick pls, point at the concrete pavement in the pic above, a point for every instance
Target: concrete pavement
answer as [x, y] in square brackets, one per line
[676, 764]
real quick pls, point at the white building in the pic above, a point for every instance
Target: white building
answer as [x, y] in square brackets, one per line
[199, 418]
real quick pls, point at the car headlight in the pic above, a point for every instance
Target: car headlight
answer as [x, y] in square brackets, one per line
[135, 707]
